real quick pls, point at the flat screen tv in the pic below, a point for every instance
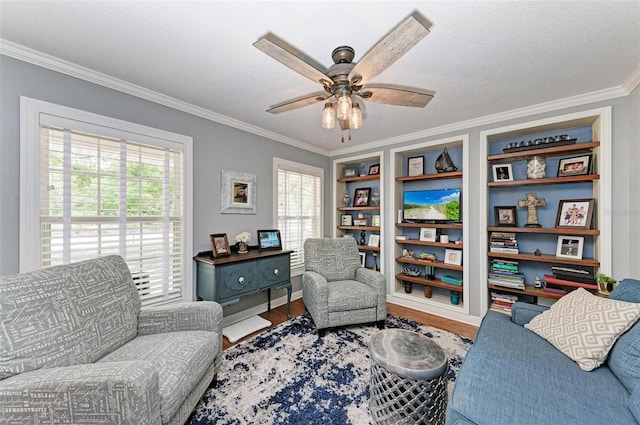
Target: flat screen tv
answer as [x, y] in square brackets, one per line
[433, 205]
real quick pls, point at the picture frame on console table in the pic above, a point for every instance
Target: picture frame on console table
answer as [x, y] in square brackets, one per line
[269, 240]
[220, 245]
[575, 213]
[570, 247]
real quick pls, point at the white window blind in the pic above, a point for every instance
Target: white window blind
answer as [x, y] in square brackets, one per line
[103, 195]
[299, 203]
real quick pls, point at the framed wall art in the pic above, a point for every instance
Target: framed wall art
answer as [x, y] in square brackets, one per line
[220, 245]
[237, 193]
[575, 213]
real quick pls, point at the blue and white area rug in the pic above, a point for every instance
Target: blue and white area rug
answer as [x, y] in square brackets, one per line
[288, 375]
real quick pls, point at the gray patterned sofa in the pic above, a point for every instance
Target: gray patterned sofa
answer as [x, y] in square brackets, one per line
[336, 290]
[77, 348]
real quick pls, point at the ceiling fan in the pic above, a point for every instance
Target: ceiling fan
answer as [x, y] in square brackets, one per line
[346, 80]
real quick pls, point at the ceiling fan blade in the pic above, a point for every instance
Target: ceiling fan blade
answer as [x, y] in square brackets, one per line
[391, 94]
[392, 46]
[299, 102]
[292, 58]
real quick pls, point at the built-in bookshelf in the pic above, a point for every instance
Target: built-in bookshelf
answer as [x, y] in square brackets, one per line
[581, 243]
[358, 216]
[428, 254]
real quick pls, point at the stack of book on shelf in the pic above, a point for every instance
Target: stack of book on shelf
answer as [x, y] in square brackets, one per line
[502, 302]
[564, 278]
[451, 280]
[505, 273]
[503, 242]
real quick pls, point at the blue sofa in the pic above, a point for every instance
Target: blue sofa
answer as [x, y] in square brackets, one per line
[513, 376]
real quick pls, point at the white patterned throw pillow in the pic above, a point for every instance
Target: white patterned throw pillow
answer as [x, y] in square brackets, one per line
[584, 327]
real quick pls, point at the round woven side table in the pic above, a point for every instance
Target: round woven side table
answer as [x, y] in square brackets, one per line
[408, 378]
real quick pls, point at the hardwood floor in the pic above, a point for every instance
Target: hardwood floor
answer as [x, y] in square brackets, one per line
[279, 315]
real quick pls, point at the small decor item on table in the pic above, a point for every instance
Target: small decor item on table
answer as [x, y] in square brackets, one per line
[220, 245]
[269, 239]
[444, 163]
[362, 235]
[536, 168]
[243, 242]
[537, 283]
[363, 169]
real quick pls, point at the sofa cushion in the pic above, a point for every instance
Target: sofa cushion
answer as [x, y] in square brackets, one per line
[65, 315]
[180, 358]
[627, 290]
[333, 259]
[584, 327]
[624, 358]
[347, 295]
[512, 376]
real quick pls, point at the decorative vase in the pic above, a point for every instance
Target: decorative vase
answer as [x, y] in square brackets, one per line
[428, 291]
[346, 199]
[243, 248]
[536, 168]
[455, 297]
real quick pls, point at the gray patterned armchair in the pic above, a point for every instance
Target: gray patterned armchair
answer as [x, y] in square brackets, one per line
[336, 290]
[77, 348]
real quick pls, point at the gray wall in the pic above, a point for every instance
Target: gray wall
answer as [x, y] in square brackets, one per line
[215, 146]
[633, 213]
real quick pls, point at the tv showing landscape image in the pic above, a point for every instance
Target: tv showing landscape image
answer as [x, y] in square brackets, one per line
[436, 205]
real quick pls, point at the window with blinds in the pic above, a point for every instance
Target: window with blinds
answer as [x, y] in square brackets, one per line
[101, 196]
[299, 207]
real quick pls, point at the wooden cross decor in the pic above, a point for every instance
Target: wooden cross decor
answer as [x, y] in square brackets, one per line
[532, 214]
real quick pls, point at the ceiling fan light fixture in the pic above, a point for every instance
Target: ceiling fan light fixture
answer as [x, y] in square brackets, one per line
[344, 106]
[328, 116]
[355, 121]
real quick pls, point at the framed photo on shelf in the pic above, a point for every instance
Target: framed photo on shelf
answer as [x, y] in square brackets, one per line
[374, 169]
[363, 259]
[374, 240]
[570, 247]
[575, 213]
[220, 245]
[415, 166]
[453, 256]
[361, 198]
[350, 172]
[502, 173]
[375, 220]
[576, 166]
[346, 220]
[428, 234]
[505, 216]
[269, 239]
[360, 221]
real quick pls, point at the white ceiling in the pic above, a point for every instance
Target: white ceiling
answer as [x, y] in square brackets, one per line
[481, 57]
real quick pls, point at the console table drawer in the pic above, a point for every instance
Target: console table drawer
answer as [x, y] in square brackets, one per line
[238, 279]
[274, 270]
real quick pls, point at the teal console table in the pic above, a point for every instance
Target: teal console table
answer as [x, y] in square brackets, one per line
[226, 279]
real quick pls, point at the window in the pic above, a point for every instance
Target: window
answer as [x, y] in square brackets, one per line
[299, 206]
[104, 190]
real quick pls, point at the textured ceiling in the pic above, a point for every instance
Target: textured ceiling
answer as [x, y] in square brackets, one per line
[481, 57]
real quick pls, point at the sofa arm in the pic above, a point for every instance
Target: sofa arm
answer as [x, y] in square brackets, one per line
[315, 294]
[122, 392]
[522, 313]
[378, 283]
[188, 316]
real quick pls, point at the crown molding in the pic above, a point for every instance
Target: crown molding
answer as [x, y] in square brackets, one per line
[35, 57]
[554, 105]
[632, 80]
